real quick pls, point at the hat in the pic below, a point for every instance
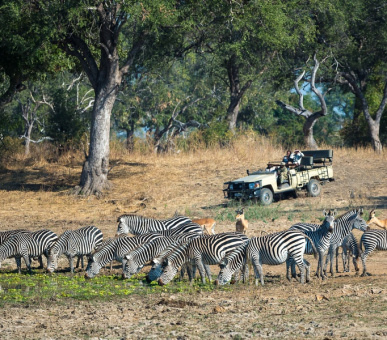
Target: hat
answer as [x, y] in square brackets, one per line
[296, 151]
[282, 163]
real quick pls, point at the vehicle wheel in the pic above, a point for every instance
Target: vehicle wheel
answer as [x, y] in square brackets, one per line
[314, 188]
[266, 196]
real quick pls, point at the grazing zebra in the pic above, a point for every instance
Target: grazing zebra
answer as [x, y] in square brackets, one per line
[137, 258]
[204, 250]
[349, 247]
[372, 239]
[272, 249]
[116, 250]
[5, 235]
[27, 245]
[74, 243]
[138, 225]
[321, 238]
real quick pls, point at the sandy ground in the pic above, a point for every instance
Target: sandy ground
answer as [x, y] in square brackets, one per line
[346, 306]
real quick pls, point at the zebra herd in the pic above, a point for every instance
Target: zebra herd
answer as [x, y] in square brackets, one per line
[180, 244]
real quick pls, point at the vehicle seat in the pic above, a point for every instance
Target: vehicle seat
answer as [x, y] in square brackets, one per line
[306, 163]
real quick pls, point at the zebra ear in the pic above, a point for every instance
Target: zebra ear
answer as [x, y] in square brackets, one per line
[156, 261]
[128, 256]
[223, 262]
[361, 211]
[325, 213]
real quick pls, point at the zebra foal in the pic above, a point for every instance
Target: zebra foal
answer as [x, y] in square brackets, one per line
[27, 245]
[372, 239]
[73, 243]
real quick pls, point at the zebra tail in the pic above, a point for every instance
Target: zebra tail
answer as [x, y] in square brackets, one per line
[315, 253]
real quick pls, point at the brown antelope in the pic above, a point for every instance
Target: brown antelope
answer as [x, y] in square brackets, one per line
[208, 225]
[241, 223]
[374, 219]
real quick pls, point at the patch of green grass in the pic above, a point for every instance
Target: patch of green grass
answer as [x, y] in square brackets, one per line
[253, 212]
[38, 288]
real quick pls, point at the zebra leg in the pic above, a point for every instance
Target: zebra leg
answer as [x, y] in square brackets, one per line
[71, 263]
[28, 263]
[202, 270]
[40, 262]
[257, 271]
[307, 270]
[288, 265]
[18, 264]
[364, 256]
[337, 260]
[332, 255]
[320, 265]
[208, 271]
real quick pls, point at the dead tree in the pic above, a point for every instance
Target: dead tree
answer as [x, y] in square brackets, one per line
[31, 118]
[310, 117]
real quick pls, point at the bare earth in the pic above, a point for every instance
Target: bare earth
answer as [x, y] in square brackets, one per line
[346, 306]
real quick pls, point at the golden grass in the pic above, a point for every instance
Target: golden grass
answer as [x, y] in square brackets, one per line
[34, 190]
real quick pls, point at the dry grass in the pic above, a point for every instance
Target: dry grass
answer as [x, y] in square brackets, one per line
[34, 194]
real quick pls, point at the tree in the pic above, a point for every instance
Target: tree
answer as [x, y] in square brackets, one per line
[246, 41]
[356, 33]
[107, 39]
[310, 117]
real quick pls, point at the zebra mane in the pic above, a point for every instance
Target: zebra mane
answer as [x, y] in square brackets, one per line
[236, 252]
[130, 216]
[61, 241]
[176, 250]
[347, 214]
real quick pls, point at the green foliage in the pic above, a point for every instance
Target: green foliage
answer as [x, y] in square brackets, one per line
[66, 125]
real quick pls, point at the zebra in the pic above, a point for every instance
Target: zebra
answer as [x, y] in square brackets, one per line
[344, 224]
[116, 249]
[138, 225]
[28, 245]
[349, 246]
[272, 249]
[137, 258]
[74, 243]
[5, 235]
[321, 238]
[201, 251]
[372, 239]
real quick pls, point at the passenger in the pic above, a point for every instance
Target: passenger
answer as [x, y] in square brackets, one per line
[296, 156]
[283, 174]
[288, 158]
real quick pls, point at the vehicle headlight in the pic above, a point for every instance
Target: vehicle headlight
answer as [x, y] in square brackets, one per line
[231, 186]
[253, 185]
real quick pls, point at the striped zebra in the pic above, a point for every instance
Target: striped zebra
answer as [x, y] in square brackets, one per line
[28, 245]
[138, 225]
[116, 250]
[205, 250]
[73, 243]
[372, 239]
[272, 249]
[137, 258]
[5, 235]
[344, 224]
[349, 247]
[321, 237]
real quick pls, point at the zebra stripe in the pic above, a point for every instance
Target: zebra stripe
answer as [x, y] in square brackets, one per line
[205, 250]
[321, 238]
[138, 225]
[74, 243]
[28, 245]
[116, 249]
[136, 259]
[372, 239]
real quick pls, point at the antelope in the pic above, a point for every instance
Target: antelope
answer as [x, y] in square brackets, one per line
[208, 225]
[241, 223]
[374, 219]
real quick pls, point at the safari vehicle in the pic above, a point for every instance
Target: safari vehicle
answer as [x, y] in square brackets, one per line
[314, 170]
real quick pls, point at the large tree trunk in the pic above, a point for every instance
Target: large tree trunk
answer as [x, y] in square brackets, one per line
[236, 92]
[96, 167]
[374, 128]
[309, 140]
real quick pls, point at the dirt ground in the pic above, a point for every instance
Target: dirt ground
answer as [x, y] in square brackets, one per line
[346, 306]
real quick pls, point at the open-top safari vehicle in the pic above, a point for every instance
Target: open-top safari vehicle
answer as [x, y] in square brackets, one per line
[314, 170]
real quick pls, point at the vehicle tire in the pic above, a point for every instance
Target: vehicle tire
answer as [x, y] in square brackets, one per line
[266, 196]
[313, 188]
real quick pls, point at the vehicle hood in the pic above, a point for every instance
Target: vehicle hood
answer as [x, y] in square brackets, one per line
[254, 178]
